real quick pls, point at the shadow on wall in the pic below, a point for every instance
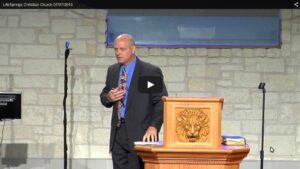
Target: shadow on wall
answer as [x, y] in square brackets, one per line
[71, 137]
[14, 154]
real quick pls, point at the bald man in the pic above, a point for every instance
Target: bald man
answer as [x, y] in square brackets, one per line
[141, 114]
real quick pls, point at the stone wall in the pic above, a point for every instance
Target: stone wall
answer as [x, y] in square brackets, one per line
[32, 61]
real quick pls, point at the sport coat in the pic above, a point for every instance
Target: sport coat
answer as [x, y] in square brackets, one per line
[142, 109]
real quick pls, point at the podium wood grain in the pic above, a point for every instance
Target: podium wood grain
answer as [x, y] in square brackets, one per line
[158, 157]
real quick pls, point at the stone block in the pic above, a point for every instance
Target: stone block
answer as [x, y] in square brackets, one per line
[82, 134]
[214, 52]
[101, 26]
[280, 129]
[47, 39]
[248, 53]
[201, 85]
[34, 81]
[43, 67]
[63, 26]
[230, 127]
[180, 52]
[175, 87]
[13, 21]
[232, 95]
[167, 52]
[224, 82]
[210, 71]
[231, 67]
[9, 70]
[171, 76]
[295, 42]
[293, 61]
[237, 52]
[264, 65]
[141, 51]
[101, 50]
[190, 52]
[176, 61]
[226, 52]
[3, 20]
[30, 97]
[246, 79]
[259, 52]
[33, 51]
[154, 51]
[86, 32]
[35, 19]
[273, 52]
[97, 74]
[196, 61]
[251, 127]
[3, 48]
[285, 36]
[14, 35]
[290, 97]
[37, 115]
[156, 60]
[100, 152]
[289, 113]
[218, 60]
[91, 61]
[101, 136]
[4, 59]
[281, 82]
[285, 50]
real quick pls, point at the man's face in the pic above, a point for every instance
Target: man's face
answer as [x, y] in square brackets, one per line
[124, 50]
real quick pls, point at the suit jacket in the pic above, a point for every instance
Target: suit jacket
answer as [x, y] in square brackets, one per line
[142, 109]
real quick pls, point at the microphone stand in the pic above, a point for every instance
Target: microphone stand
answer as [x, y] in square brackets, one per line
[67, 52]
[262, 86]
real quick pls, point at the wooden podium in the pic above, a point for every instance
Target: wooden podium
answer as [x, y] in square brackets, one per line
[192, 138]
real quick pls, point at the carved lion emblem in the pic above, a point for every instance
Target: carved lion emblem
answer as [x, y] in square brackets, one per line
[192, 125]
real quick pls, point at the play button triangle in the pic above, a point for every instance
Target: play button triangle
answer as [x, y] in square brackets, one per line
[149, 84]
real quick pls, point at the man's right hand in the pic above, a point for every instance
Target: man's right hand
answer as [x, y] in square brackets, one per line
[115, 94]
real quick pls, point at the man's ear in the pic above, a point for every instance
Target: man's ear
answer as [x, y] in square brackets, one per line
[133, 49]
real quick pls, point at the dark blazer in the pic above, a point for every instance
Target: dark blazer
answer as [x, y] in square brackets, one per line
[142, 109]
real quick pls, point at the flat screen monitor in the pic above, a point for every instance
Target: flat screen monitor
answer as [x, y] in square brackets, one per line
[10, 105]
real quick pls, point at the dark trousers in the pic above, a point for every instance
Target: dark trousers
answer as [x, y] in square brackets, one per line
[123, 156]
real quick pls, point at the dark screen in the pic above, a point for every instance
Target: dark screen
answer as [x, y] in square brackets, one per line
[10, 105]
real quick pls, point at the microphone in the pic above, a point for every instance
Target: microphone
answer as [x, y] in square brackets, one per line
[67, 45]
[261, 85]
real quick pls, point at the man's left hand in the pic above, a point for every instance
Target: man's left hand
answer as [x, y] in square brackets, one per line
[150, 135]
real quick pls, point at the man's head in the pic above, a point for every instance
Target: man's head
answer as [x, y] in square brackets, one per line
[124, 48]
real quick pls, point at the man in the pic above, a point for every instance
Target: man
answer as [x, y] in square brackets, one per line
[136, 116]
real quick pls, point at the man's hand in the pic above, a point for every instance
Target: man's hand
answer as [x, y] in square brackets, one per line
[150, 135]
[115, 94]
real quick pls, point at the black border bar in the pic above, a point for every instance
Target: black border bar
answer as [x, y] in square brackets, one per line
[150, 4]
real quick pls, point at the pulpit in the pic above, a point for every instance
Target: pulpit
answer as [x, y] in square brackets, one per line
[192, 137]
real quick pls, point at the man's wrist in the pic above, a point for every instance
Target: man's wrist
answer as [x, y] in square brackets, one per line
[107, 99]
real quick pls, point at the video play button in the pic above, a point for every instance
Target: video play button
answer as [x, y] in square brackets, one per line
[150, 84]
